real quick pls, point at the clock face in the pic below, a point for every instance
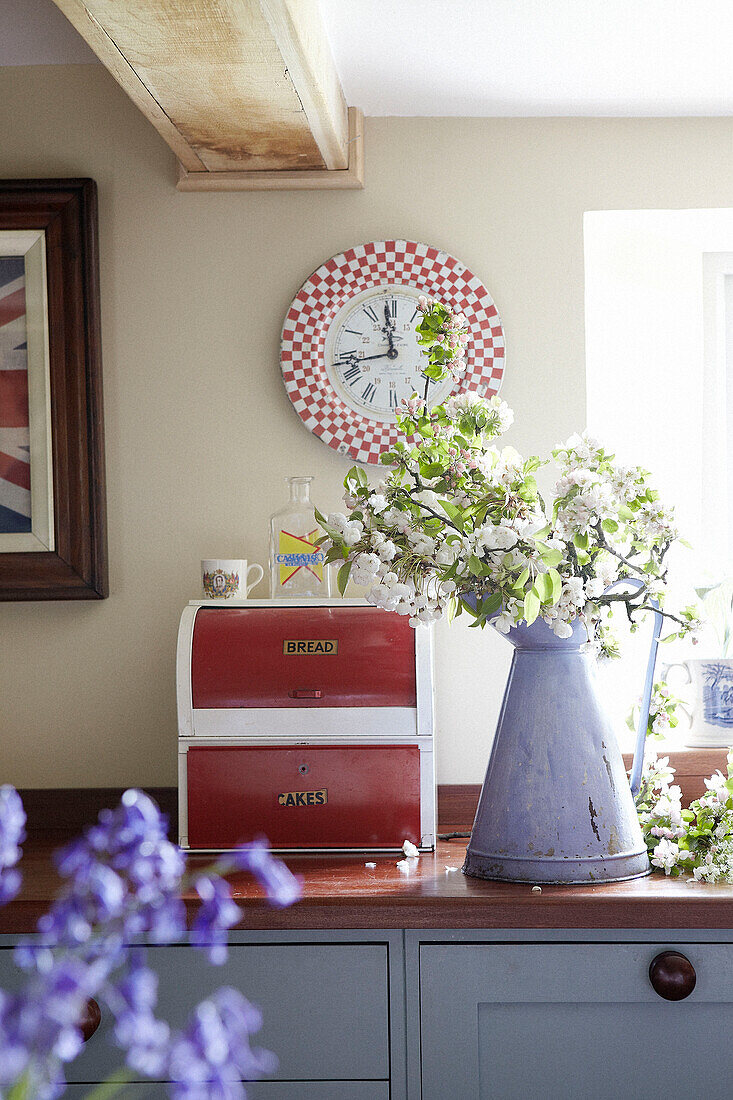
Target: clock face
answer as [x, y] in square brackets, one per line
[349, 352]
[372, 355]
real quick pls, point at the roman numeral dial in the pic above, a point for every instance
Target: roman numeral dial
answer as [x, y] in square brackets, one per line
[373, 358]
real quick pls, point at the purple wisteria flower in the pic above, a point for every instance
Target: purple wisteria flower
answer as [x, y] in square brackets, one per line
[212, 1054]
[281, 886]
[132, 998]
[123, 886]
[123, 875]
[12, 835]
[216, 915]
[39, 1027]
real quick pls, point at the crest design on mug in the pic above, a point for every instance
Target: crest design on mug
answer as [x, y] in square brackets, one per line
[219, 585]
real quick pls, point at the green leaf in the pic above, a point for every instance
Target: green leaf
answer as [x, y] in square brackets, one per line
[342, 577]
[453, 513]
[531, 606]
[581, 541]
[556, 581]
[431, 469]
[521, 580]
[113, 1086]
[551, 556]
[625, 513]
[19, 1091]
[475, 566]
[610, 526]
[491, 604]
[543, 587]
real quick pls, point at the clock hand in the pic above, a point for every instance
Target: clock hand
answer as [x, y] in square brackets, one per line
[355, 358]
[388, 330]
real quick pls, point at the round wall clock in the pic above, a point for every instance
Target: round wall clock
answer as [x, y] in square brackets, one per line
[349, 353]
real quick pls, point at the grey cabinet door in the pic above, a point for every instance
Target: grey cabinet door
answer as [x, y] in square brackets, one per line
[572, 1021]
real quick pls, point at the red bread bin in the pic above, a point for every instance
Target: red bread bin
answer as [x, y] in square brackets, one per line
[309, 723]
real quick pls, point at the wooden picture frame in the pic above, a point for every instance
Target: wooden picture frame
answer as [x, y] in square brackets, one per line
[53, 223]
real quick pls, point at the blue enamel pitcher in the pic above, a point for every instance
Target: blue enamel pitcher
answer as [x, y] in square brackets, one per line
[556, 805]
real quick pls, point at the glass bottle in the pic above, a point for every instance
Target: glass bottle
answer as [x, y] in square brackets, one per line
[297, 565]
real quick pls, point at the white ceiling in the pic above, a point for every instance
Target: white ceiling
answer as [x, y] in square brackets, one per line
[534, 57]
[487, 57]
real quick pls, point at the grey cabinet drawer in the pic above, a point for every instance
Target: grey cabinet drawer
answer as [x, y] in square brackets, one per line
[324, 1005]
[569, 1021]
[275, 1090]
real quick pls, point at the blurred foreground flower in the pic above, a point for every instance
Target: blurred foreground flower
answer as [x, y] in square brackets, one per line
[12, 835]
[123, 886]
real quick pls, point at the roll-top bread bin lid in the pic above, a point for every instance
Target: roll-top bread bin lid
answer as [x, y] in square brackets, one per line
[283, 657]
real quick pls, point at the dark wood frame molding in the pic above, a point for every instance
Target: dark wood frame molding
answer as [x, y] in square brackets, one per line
[66, 209]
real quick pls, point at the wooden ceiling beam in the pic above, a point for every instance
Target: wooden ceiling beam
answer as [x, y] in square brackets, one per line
[237, 88]
[315, 179]
[298, 30]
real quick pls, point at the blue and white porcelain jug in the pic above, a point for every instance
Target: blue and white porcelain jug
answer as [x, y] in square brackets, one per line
[556, 805]
[710, 714]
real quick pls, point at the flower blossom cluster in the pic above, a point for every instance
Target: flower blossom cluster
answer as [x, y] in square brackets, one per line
[697, 840]
[458, 524]
[443, 336]
[123, 882]
[12, 835]
[593, 489]
[662, 712]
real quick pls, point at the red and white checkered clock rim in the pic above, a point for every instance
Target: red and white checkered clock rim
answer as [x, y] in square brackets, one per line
[430, 271]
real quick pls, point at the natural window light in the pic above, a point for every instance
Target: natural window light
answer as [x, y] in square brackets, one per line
[659, 372]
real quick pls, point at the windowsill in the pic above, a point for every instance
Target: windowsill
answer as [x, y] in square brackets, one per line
[692, 766]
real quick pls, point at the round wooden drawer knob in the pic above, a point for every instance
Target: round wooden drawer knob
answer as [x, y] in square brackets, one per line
[91, 1019]
[672, 975]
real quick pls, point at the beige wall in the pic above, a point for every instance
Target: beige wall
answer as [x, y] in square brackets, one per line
[199, 430]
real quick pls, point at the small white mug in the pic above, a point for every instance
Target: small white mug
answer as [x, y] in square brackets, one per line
[228, 578]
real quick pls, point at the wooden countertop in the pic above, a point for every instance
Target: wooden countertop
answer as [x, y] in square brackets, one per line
[339, 891]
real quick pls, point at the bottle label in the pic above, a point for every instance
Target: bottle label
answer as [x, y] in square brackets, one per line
[299, 552]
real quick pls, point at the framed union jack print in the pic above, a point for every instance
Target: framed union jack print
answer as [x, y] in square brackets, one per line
[52, 500]
[26, 491]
